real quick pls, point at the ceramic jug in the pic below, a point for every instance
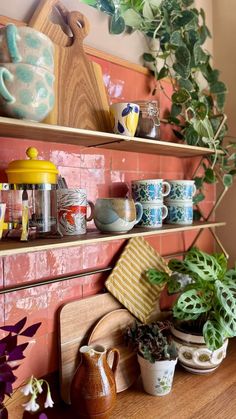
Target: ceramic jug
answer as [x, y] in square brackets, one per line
[93, 388]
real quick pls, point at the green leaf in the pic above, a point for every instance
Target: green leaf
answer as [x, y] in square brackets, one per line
[176, 38]
[228, 180]
[199, 55]
[181, 96]
[117, 25]
[147, 10]
[196, 215]
[198, 198]
[183, 56]
[148, 57]
[132, 18]
[180, 315]
[188, 3]
[201, 110]
[213, 335]
[180, 69]
[162, 73]
[177, 266]
[202, 264]
[175, 110]
[184, 19]
[209, 176]
[203, 127]
[191, 302]
[107, 6]
[220, 99]
[226, 296]
[156, 277]
[191, 135]
[198, 181]
[218, 88]
[186, 84]
[174, 286]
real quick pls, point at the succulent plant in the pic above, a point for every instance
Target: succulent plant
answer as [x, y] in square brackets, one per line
[152, 341]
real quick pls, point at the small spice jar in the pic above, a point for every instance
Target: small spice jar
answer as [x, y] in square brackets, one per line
[149, 122]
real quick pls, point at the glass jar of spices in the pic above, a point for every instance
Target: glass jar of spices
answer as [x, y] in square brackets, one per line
[149, 122]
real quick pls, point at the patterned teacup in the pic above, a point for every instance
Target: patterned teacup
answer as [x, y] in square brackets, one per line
[26, 91]
[149, 190]
[72, 211]
[117, 214]
[26, 45]
[179, 212]
[181, 190]
[153, 215]
[124, 118]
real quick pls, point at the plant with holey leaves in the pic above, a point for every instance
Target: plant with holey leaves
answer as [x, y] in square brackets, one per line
[207, 302]
[10, 353]
[152, 341]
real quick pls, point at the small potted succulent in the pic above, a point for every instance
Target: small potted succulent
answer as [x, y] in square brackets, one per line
[204, 310]
[157, 355]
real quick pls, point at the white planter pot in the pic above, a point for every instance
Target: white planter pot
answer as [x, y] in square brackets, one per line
[157, 377]
[193, 353]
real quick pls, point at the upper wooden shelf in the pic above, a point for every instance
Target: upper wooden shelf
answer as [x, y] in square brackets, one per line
[13, 247]
[16, 128]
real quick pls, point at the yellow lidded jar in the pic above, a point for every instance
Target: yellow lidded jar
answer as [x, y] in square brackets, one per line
[32, 171]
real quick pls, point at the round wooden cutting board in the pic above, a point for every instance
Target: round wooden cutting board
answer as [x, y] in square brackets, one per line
[109, 332]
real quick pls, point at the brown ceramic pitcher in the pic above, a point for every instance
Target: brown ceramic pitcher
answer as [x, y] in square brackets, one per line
[93, 388]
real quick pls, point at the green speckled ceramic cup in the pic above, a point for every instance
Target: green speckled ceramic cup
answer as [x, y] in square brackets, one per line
[26, 45]
[26, 91]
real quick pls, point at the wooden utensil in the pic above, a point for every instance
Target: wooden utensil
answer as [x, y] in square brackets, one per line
[75, 322]
[109, 332]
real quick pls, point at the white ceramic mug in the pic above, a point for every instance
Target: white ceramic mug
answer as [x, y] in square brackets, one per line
[72, 211]
[124, 118]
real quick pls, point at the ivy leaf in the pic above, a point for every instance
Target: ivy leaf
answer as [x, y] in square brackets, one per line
[198, 198]
[132, 18]
[182, 96]
[175, 110]
[198, 181]
[220, 99]
[147, 11]
[162, 73]
[184, 19]
[148, 57]
[186, 84]
[183, 56]
[180, 69]
[176, 39]
[218, 88]
[209, 176]
[117, 25]
[201, 110]
[199, 55]
[227, 180]
[107, 6]
[191, 135]
[188, 3]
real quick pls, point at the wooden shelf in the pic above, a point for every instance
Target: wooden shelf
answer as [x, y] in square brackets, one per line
[16, 128]
[11, 247]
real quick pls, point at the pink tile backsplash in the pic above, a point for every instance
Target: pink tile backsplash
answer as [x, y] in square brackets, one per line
[103, 173]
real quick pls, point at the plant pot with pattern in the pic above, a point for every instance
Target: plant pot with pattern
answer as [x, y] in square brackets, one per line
[205, 308]
[157, 355]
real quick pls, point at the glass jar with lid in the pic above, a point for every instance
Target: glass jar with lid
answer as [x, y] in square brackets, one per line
[149, 122]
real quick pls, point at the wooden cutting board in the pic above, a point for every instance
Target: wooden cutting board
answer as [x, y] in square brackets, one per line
[81, 99]
[76, 321]
[109, 332]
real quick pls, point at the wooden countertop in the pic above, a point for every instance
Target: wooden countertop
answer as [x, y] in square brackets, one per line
[193, 397]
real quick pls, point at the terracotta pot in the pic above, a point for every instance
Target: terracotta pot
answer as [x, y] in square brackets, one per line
[194, 356]
[93, 388]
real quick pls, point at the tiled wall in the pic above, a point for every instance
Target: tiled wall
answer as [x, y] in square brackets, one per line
[100, 172]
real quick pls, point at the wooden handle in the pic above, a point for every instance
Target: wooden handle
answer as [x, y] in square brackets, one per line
[79, 25]
[116, 358]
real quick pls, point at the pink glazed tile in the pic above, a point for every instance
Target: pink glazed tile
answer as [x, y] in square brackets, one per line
[124, 161]
[149, 162]
[93, 284]
[53, 355]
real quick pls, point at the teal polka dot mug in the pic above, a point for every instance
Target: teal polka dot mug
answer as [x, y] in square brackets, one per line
[26, 91]
[26, 45]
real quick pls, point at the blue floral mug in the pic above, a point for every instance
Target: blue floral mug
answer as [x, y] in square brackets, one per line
[26, 91]
[153, 215]
[179, 212]
[150, 190]
[181, 190]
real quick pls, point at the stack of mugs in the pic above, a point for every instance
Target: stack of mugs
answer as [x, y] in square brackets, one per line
[180, 201]
[150, 193]
[26, 73]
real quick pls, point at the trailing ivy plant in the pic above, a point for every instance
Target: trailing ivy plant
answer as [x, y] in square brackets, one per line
[177, 32]
[206, 299]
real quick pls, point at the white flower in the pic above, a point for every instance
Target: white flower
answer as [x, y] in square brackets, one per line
[28, 389]
[31, 406]
[38, 385]
[49, 402]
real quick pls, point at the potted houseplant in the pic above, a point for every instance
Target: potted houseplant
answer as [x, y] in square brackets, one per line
[204, 311]
[157, 355]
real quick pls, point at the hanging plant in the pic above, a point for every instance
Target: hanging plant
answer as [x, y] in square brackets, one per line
[177, 32]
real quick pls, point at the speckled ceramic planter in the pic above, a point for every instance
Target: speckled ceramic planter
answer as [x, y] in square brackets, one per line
[193, 353]
[157, 377]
